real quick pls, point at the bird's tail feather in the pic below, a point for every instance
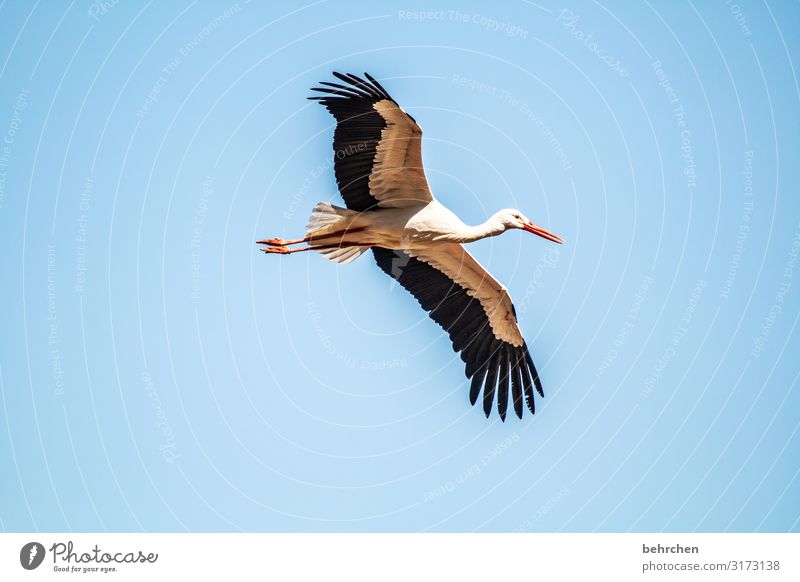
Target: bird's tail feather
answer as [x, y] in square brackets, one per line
[327, 218]
[342, 255]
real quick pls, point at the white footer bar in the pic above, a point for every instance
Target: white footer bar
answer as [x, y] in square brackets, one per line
[401, 557]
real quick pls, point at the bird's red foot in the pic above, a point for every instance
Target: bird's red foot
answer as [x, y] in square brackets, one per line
[277, 250]
[275, 242]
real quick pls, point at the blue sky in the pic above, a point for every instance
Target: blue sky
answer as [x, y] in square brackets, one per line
[158, 373]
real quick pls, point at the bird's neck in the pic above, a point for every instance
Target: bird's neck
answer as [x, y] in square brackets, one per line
[491, 227]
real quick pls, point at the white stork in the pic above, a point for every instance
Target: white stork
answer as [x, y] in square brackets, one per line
[416, 240]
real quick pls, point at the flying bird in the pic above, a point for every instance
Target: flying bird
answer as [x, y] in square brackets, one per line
[416, 240]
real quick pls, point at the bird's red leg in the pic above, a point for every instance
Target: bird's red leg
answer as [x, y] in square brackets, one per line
[279, 242]
[282, 250]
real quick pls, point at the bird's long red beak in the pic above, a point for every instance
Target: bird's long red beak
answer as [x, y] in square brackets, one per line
[538, 230]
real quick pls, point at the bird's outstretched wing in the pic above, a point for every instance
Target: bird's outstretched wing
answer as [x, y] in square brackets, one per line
[476, 310]
[377, 146]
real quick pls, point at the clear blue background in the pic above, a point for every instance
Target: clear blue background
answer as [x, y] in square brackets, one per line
[158, 373]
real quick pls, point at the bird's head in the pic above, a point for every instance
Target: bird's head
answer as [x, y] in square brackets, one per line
[512, 218]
